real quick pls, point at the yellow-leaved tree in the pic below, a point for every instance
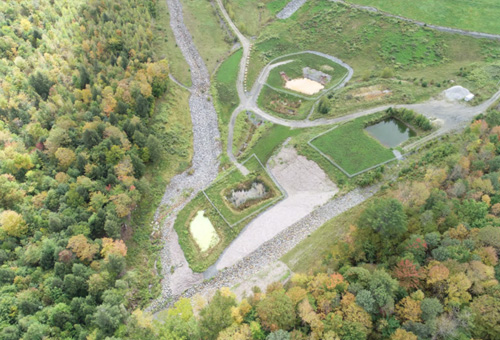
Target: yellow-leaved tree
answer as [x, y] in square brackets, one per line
[13, 223]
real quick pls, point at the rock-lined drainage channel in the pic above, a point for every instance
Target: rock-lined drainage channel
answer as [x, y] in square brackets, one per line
[205, 163]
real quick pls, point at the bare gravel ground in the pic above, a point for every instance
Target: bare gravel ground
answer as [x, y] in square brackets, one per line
[290, 8]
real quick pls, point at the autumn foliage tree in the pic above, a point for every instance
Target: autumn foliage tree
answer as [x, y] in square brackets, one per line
[82, 248]
[407, 274]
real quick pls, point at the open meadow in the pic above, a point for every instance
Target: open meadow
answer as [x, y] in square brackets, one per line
[212, 37]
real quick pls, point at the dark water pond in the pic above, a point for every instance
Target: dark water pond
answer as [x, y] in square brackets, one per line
[390, 132]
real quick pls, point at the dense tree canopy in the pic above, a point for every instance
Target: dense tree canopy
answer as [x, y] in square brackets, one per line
[78, 83]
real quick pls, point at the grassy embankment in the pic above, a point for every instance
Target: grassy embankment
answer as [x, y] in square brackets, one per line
[308, 255]
[226, 96]
[166, 45]
[172, 118]
[478, 15]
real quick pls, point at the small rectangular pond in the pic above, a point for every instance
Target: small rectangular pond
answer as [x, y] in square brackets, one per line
[390, 132]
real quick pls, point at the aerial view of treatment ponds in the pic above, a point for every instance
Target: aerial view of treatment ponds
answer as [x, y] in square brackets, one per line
[317, 108]
[243, 169]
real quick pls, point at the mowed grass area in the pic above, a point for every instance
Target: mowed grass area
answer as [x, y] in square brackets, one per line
[212, 41]
[219, 191]
[351, 147]
[167, 47]
[294, 69]
[477, 15]
[225, 85]
[199, 260]
[371, 43]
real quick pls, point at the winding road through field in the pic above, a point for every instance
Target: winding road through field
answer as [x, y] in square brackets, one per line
[178, 279]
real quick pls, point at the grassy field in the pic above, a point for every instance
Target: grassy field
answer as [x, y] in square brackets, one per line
[351, 147]
[477, 15]
[173, 119]
[294, 69]
[374, 92]
[284, 105]
[250, 15]
[269, 139]
[276, 5]
[210, 38]
[370, 43]
[167, 47]
[218, 191]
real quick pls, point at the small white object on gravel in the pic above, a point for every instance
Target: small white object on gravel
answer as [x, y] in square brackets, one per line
[458, 93]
